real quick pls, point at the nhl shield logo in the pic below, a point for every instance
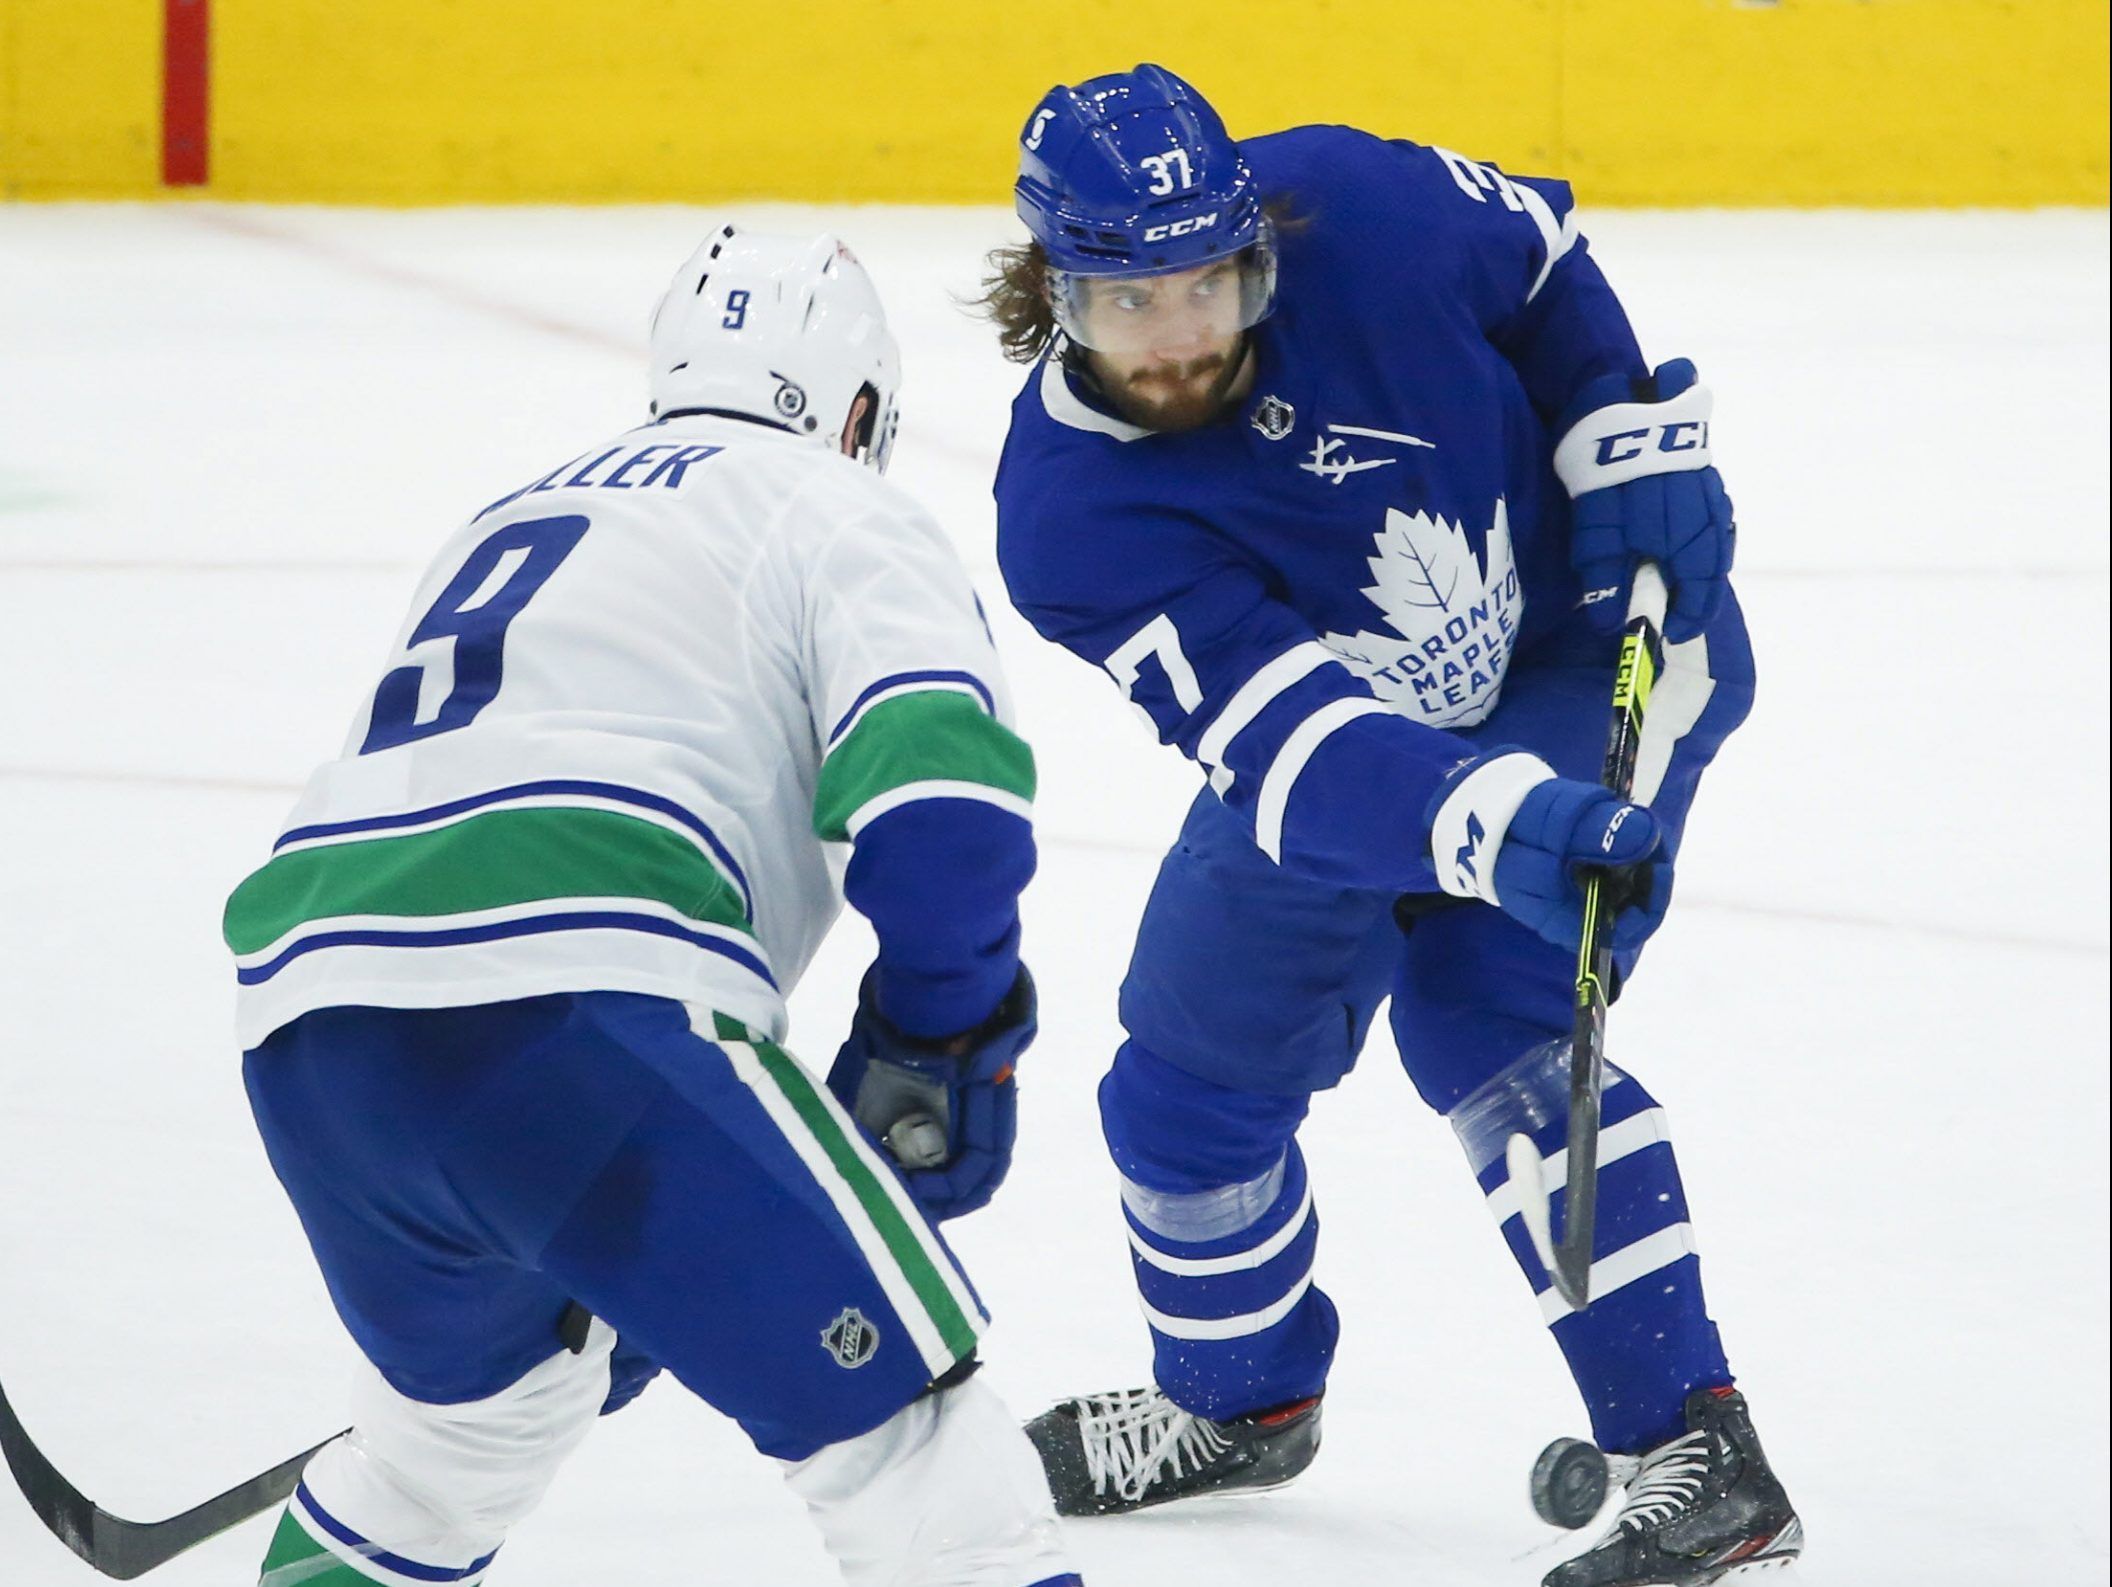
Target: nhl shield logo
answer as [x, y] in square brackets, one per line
[1273, 417]
[851, 1339]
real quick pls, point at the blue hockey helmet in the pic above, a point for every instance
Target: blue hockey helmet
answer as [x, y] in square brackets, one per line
[1133, 174]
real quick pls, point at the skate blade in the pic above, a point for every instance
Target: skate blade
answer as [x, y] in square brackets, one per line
[1207, 1496]
[1783, 1551]
[1748, 1571]
[1790, 1538]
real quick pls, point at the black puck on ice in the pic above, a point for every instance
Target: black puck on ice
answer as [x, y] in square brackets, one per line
[1569, 1483]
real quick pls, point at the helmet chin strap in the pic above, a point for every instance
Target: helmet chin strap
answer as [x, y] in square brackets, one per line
[1239, 363]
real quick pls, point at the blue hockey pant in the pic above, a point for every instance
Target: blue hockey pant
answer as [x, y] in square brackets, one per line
[466, 1175]
[1250, 989]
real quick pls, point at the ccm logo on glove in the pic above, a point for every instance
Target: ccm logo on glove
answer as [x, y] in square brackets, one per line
[1613, 828]
[1635, 458]
[1685, 436]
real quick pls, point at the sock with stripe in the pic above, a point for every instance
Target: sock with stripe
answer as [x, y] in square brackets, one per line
[1226, 1277]
[298, 1559]
[419, 1494]
[314, 1548]
[1646, 1341]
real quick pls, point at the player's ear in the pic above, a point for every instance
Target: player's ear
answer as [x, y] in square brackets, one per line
[854, 424]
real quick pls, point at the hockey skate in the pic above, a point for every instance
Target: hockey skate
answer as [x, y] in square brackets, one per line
[1701, 1508]
[1107, 1454]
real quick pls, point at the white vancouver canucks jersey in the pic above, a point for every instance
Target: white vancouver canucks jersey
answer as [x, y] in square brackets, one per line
[633, 706]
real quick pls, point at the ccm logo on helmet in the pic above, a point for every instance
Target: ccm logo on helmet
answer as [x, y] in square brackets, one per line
[1181, 228]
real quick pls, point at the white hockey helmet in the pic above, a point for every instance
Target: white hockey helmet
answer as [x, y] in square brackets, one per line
[785, 330]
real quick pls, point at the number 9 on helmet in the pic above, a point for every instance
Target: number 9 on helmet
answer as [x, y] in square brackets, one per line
[784, 331]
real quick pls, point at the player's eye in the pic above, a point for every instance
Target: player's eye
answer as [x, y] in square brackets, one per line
[1132, 302]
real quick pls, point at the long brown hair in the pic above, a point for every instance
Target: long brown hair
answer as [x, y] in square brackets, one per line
[1015, 295]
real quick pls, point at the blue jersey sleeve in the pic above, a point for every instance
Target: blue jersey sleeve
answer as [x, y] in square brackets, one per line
[1539, 295]
[1333, 782]
[1461, 230]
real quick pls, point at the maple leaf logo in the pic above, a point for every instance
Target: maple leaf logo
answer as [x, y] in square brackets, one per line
[1455, 611]
[1425, 564]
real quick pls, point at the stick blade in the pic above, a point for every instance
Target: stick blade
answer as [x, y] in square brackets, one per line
[1571, 1273]
[121, 1549]
[125, 1549]
[1528, 1177]
[1568, 1267]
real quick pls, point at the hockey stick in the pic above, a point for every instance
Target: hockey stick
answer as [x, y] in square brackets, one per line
[1568, 1261]
[125, 1549]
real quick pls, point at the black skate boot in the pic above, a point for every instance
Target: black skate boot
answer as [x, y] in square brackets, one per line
[1110, 1453]
[1702, 1508]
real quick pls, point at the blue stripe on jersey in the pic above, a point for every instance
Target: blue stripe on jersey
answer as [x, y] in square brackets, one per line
[367, 1549]
[614, 792]
[495, 931]
[901, 680]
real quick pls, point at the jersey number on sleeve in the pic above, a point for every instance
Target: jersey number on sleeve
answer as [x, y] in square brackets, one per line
[1158, 640]
[483, 598]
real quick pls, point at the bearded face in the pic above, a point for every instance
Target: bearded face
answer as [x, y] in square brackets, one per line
[1167, 350]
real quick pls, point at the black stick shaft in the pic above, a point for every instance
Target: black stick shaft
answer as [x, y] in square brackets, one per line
[1642, 648]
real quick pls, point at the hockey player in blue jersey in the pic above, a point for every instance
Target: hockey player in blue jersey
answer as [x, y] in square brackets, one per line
[1336, 455]
[512, 981]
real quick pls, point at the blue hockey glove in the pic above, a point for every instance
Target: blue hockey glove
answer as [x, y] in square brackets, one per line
[629, 1372]
[1507, 830]
[1562, 827]
[1635, 457]
[946, 1108]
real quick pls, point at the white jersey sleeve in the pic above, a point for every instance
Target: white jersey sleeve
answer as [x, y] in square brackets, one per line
[895, 640]
[921, 769]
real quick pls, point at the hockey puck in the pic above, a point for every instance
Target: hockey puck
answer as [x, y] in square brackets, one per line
[1569, 1483]
[917, 1141]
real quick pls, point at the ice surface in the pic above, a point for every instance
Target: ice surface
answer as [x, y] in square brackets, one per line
[228, 438]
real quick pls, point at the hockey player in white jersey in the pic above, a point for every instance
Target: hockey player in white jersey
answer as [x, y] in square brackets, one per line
[512, 982]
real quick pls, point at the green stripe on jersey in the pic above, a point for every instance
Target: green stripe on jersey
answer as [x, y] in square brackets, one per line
[486, 862]
[933, 735]
[955, 1329]
[724, 1027]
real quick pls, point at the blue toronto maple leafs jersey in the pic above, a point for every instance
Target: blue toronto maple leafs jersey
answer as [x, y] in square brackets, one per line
[1338, 592]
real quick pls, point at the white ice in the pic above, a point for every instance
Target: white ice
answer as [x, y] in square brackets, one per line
[228, 439]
